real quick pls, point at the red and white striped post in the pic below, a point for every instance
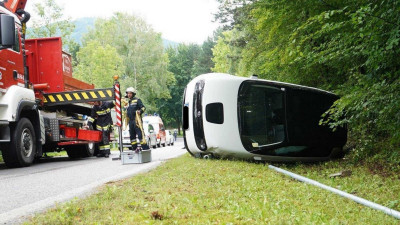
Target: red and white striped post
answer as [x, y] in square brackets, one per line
[119, 113]
[118, 103]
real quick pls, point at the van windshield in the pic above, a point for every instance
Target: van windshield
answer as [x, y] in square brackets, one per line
[147, 126]
[261, 115]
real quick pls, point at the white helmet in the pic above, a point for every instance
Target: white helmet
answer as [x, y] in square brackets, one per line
[130, 89]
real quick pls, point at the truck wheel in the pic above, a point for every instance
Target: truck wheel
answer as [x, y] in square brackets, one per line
[22, 148]
[88, 150]
[73, 153]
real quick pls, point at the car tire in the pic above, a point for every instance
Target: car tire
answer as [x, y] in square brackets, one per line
[21, 151]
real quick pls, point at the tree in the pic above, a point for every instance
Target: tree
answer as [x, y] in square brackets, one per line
[145, 63]
[98, 64]
[52, 23]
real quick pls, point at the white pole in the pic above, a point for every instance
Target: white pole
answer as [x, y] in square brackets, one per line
[362, 201]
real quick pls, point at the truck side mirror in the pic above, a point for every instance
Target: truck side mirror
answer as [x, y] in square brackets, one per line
[7, 31]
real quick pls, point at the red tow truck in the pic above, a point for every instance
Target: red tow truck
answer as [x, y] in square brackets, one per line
[42, 107]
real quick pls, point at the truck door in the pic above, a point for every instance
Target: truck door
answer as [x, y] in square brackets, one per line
[11, 64]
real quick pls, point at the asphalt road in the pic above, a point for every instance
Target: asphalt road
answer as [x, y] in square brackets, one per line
[25, 191]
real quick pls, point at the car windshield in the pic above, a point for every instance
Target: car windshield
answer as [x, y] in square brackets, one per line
[261, 115]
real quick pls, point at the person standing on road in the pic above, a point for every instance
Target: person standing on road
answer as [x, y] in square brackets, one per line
[101, 116]
[135, 109]
[175, 134]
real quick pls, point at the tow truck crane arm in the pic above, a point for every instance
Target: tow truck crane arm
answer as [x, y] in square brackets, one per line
[17, 7]
[14, 5]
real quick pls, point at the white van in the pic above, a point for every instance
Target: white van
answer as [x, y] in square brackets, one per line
[149, 135]
[156, 123]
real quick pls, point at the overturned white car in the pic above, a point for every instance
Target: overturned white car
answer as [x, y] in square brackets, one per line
[250, 118]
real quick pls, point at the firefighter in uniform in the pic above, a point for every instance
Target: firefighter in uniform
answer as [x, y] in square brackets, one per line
[135, 109]
[101, 114]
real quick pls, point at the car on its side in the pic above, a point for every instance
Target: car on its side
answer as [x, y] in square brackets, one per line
[169, 137]
[250, 118]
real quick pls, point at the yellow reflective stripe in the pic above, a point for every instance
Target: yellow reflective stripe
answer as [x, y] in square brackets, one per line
[68, 96]
[85, 96]
[101, 93]
[103, 112]
[60, 97]
[91, 119]
[52, 99]
[93, 94]
[77, 96]
[98, 127]
[109, 93]
[45, 100]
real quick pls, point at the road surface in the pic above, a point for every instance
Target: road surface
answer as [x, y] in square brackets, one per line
[24, 191]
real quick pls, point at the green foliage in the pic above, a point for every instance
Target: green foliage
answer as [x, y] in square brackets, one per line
[349, 47]
[193, 191]
[98, 64]
[51, 23]
[141, 49]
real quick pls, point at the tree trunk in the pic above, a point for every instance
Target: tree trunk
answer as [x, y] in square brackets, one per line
[177, 120]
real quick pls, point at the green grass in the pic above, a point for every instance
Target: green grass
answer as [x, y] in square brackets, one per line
[55, 154]
[193, 191]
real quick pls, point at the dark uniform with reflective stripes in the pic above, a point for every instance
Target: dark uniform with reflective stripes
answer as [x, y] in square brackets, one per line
[135, 126]
[102, 115]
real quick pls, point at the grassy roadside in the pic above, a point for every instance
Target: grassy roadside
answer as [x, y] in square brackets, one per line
[192, 191]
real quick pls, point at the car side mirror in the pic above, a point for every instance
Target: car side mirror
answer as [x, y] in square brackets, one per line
[7, 31]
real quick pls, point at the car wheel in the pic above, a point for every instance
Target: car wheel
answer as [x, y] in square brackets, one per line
[21, 150]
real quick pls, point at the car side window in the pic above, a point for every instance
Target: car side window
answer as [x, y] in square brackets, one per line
[215, 113]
